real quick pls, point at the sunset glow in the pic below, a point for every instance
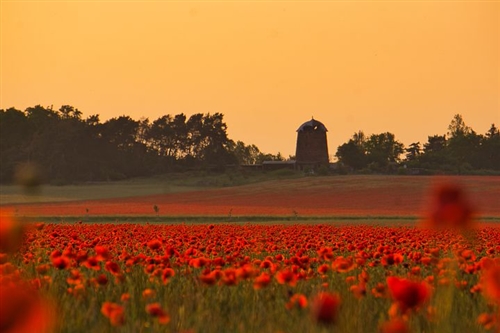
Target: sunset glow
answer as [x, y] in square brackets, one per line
[406, 67]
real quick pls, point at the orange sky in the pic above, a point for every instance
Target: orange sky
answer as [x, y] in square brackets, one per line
[268, 66]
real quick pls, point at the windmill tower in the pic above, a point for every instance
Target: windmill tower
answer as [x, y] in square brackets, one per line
[312, 147]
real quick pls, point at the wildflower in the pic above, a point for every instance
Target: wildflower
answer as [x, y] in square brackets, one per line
[112, 267]
[60, 262]
[148, 293]
[491, 283]
[154, 244]
[408, 294]
[325, 307]
[114, 312]
[392, 259]
[261, 281]
[167, 273]
[155, 310]
[210, 278]
[298, 301]
[11, 232]
[487, 321]
[451, 208]
[22, 310]
[343, 265]
[125, 297]
[286, 277]
[323, 269]
[102, 253]
[395, 325]
[93, 263]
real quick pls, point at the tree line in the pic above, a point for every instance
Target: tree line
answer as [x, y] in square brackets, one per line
[460, 151]
[66, 147]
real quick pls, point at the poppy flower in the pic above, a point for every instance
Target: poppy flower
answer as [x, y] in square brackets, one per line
[167, 273]
[450, 208]
[60, 262]
[102, 253]
[491, 283]
[395, 325]
[92, 263]
[261, 281]
[209, 279]
[148, 293]
[296, 301]
[487, 321]
[324, 307]
[392, 259]
[11, 232]
[408, 294]
[114, 312]
[112, 267]
[286, 277]
[155, 310]
[154, 244]
[22, 310]
[343, 265]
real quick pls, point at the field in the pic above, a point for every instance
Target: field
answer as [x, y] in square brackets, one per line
[358, 196]
[354, 256]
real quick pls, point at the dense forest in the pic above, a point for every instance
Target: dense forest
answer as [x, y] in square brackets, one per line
[460, 151]
[67, 148]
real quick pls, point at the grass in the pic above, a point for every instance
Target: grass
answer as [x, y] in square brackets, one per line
[137, 187]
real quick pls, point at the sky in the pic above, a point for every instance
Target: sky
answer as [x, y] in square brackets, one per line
[402, 67]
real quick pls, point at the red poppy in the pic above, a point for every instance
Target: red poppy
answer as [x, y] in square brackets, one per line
[167, 273]
[451, 207]
[102, 252]
[112, 267]
[261, 281]
[154, 244]
[325, 307]
[491, 283]
[396, 325]
[297, 301]
[11, 232]
[61, 262]
[286, 277]
[343, 265]
[148, 293]
[408, 294]
[114, 312]
[156, 310]
[487, 321]
[392, 259]
[22, 310]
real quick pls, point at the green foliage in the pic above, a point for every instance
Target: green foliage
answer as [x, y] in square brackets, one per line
[460, 151]
[67, 148]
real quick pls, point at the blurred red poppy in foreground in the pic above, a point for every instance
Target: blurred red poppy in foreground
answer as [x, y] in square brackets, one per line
[396, 325]
[114, 312]
[325, 307]
[491, 282]
[21, 310]
[11, 232]
[408, 294]
[156, 310]
[450, 208]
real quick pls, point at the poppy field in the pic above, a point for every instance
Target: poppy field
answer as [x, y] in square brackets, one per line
[439, 275]
[359, 195]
